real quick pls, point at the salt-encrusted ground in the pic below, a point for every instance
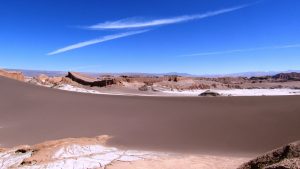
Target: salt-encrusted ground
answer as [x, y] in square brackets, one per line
[78, 153]
[228, 92]
[90, 153]
[240, 92]
[75, 89]
[68, 87]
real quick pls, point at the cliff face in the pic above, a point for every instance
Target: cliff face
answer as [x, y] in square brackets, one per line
[89, 81]
[12, 75]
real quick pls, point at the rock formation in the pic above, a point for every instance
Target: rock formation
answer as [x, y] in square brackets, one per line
[286, 157]
[42, 78]
[209, 93]
[12, 75]
[287, 76]
[144, 88]
[55, 80]
[89, 81]
[50, 81]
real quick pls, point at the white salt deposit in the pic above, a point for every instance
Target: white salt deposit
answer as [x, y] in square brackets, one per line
[78, 150]
[82, 90]
[239, 92]
[76, 89]
[93, 155]
[76, 157]
[164, 92]
[11, 159]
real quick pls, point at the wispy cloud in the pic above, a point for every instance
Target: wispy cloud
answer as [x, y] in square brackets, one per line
[243, 50]
[95, 41]
[133, 23]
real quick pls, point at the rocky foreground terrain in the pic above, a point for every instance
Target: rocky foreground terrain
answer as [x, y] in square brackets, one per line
[93, 153]
[286, 157]
[84, 153]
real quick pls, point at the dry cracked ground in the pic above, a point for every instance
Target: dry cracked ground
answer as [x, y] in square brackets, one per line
[83, 153]
[93, 153]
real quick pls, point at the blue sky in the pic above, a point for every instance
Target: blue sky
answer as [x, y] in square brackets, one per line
[151, 36]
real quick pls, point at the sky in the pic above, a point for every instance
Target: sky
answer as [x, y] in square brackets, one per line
[150, 36]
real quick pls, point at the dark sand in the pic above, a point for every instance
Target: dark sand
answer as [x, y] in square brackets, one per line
[31, 114]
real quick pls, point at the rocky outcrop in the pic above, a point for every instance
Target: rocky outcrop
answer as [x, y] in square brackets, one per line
[89, 81]
[144, 88]
[55, 80]
[209, 93]
[49, 81]
[286, 157]
[12, 75]
[294, 76]
[42, 78]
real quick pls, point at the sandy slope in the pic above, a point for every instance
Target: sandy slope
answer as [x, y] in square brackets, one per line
[243, 125]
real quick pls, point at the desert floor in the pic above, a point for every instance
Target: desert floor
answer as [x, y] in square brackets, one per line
[245, 126]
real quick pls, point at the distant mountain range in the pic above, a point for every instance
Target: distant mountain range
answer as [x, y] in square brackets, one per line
[252, 74]
[242, 74]
[32, 73]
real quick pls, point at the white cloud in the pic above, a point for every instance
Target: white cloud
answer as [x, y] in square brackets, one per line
[243, 50]
[95, 41]
[132, 23]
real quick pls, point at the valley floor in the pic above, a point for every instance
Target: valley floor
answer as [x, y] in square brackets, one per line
[194, 132]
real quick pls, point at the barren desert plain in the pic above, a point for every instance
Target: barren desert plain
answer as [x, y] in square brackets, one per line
[165, 131]
[149, 84]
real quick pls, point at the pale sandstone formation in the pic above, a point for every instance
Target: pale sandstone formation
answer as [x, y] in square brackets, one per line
[55, 80]
[45, 80]
[42, 78]
[12, 75]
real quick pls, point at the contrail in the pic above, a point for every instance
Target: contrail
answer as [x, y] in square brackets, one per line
[95, 41]
[133, 23]
[243, 50]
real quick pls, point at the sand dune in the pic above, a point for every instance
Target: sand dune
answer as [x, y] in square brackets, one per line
[249, 125]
